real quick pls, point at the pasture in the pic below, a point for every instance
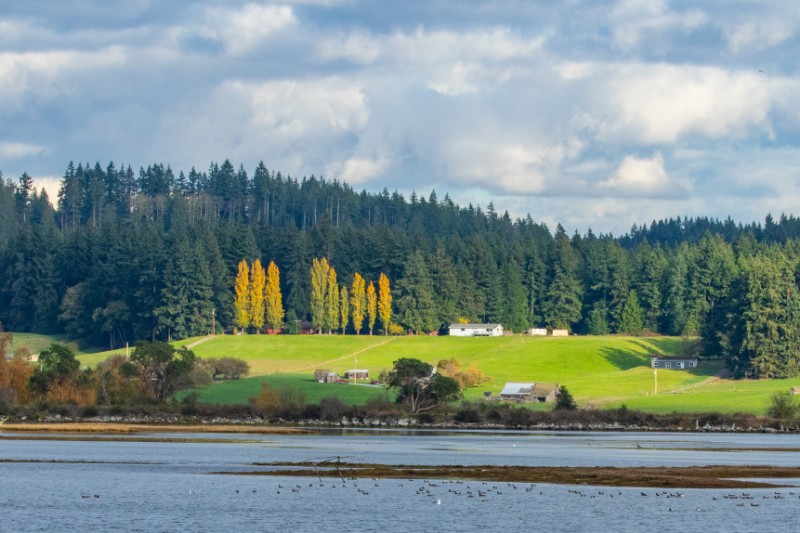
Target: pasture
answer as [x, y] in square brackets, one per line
[602, 371]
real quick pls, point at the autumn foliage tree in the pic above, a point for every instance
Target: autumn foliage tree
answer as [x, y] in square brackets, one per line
[332, 302]
[344, 308]
[372, 306]
[358, 302]
[258, 280]
[384, 302]
[273, 298]
[319, 291]
[241, 303]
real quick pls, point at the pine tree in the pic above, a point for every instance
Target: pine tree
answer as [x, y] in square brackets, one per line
[372, 307]
[241, 303]
[319, 289]
[632, 320]
[563, 306]
[258, 281]
[332, 302]
[358, 302]
[344, 308]
[273, 299]
[384, 302]
[415, 305]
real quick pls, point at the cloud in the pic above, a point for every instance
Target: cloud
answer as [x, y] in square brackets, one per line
[17, 150]
[30, 75]
[357, 170]
[662, 103]
[241, 31]
[642, 178]
[634, 20]
[508, 166]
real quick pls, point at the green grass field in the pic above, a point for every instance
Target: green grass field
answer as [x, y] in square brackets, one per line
[603, 371]
[607, 371]
[241, 391]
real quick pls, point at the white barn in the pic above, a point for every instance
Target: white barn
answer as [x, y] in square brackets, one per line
[476, 330]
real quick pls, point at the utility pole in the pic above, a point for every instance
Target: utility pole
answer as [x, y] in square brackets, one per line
[213, 321]
[655, 378]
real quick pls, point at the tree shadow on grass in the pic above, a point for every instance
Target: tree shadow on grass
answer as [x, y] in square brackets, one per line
[624, 359]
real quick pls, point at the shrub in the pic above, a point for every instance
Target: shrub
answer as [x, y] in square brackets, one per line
[565, 401]
[783, 406]
[331, 408]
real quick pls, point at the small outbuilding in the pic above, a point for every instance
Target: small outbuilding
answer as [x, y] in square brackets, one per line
[325, 376]
[545, 392]
[529, 392]
[560, 333]
[517, 392]
[673, 362]
[537, 331]
[357, 374]
[475, 330]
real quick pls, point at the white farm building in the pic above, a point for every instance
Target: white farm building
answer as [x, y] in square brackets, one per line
[476, 330]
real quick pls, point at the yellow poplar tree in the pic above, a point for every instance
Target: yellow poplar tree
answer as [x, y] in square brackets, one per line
[241, 304]
[273, 300]
[332, 302]
[319, 289]
[358, 302]
[384, 302]
[258, 280]
[344, 307]
[372, 306]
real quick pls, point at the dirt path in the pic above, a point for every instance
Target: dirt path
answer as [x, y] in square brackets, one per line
[716, 377]
[344, 357]
[199, 341]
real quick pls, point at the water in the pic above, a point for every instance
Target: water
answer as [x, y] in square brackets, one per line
[160, 486]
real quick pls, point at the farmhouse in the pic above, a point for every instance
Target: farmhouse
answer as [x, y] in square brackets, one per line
[529, 392]
[357, 374]
[673, 363]
[476, 330]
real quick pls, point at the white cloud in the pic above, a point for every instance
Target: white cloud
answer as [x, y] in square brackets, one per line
[291, 109]
[642, 178]
[635, 19]
[47, 74]
[510, 167]
[240, 31]
[357, 170]
[16, 150]
[661, 103]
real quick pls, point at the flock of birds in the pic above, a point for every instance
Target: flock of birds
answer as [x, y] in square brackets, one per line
[484, 491]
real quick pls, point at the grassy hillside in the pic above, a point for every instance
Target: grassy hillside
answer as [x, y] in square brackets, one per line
[604, 371]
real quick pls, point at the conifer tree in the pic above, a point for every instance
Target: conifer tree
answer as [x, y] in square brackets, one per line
[258, 280]
[344, 308]
[372, 306]
[319, 289]
[358, 302]
[384, 302]
[332, 302]
[273, 300]
[241, 304]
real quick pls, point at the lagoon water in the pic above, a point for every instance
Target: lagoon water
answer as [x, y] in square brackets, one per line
[142, 485]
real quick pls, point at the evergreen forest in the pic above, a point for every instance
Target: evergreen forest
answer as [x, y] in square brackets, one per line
[124, 255]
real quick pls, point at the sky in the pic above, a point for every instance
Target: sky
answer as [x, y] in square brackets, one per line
[593, 114]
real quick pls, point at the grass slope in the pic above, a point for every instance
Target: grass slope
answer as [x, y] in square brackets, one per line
[606, 371]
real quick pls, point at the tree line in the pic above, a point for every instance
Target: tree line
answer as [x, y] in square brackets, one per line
[154, 254]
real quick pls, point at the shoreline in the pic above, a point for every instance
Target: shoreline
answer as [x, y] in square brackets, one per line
[122, 427]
